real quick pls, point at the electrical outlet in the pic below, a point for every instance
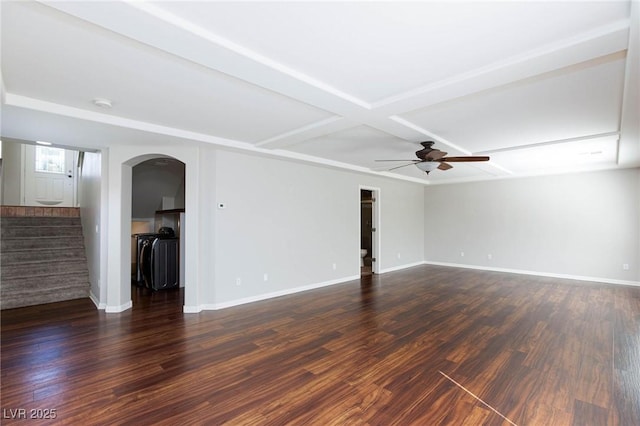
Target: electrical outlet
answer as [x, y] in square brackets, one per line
[461, 254]
[334, 266]
[625, 266]
[489, 256]
[238, 281]
[266, 276]
[398, 255]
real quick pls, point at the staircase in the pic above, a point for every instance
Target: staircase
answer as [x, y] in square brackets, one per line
[42, 260]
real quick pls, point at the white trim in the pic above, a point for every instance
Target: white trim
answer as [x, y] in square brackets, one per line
[23, 172]
[301, 134]
[401, 267]
[237, 302]
[117, 309]
[192, 309]
[265, 296]
[94, 299]
[536, 273]
[49, 107]
[207, 35]
[53, 108]
[442, 140]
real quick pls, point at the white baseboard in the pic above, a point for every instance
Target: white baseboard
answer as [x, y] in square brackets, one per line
[94, 299]
[116, 309]
[191, 309]
[217, 306]
[537, 273]
[265, 296]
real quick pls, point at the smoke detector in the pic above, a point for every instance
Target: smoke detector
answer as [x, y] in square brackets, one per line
[102, 103]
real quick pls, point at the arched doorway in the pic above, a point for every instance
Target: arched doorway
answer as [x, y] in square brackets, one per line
[157, 243]
[121, 161]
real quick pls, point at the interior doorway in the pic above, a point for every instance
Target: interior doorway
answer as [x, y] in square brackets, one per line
[369, 231]
[157, 219]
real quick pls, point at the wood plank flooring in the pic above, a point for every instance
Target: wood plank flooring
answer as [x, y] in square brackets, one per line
[425, 346]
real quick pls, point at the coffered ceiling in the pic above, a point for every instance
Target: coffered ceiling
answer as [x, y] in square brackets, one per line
[540, 87]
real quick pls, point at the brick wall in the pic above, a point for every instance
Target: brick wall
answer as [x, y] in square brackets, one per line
[27, 211]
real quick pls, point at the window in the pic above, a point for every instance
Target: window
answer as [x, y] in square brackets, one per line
[49, 160]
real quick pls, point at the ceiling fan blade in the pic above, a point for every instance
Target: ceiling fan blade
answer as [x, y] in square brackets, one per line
[465, 159]
[436, 154]
[404, 165]
[416, 161]
[445, 166]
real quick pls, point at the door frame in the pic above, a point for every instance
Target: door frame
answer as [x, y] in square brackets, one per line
[121, 160]
[376, 237]
[73, 154]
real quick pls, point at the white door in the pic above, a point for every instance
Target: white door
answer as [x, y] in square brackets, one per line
[375, 231]
[49, 176]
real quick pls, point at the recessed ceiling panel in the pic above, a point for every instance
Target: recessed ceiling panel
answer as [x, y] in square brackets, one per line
[576, 102]
[373, 50]
[561, 157]
[526, 81]
[53, 57]
[361, 146]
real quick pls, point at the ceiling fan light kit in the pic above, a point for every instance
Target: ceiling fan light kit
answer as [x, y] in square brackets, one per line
[427, 166]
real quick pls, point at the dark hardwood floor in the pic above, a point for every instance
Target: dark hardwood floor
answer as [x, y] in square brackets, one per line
[425, 346]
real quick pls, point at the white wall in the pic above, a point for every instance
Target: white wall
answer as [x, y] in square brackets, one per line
[402, 224]
[294, 221]
[90, 193]
[581, 225]
[289, 220]
[11, 173]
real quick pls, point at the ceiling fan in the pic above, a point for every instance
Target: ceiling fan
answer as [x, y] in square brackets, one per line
[430, 159]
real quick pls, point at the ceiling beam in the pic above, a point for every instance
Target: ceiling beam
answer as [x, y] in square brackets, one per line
[313, 130]
[562, 54]
[629, 145]
[162, 30]
[555, 142]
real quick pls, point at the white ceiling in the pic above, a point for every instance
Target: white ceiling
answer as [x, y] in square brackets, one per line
[541, 87]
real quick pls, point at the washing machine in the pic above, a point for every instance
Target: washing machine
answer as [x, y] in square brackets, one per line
[141, 240]
[159, 267]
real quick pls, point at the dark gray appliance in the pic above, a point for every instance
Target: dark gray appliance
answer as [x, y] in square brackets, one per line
[158, 262]
[140, 241]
